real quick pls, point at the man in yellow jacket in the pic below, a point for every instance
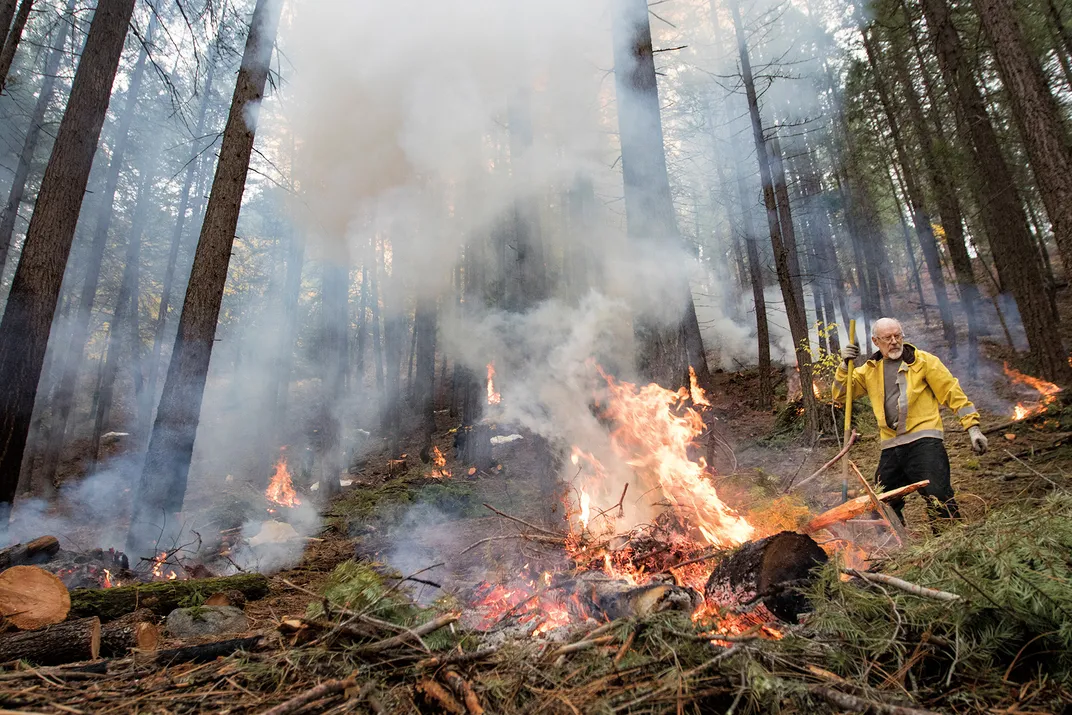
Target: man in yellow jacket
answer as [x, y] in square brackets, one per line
[907, 386]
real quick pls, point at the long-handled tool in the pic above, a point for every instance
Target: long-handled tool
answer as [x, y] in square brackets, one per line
[849, 367]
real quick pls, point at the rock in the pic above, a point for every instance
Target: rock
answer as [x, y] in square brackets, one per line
[274, 532]
[505, 439]
[206, 621]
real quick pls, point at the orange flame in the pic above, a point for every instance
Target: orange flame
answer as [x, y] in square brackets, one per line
[107, 582]
[699, 398]
[815, 390]
[161, 570]
[586, 508]
[1047, 393]
[440, 462]
[494, 397]
[654, 434]
[281, 489]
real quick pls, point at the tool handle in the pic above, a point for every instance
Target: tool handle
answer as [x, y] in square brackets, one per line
[848, 414]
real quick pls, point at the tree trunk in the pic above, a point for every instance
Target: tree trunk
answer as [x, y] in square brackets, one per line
[1000, 205]
[1036, 114]
[7, 12]
[173, 259]
[922, 221]
[785, 219]
[946, 198]
[755, 273]
[377, 344]
[167, 462]
[665, 352]
[798, 322]
[126, 305]
[423, 392]
[33, 135]
[529, 285]
[64, 398]
[7, 56]
[35, 289]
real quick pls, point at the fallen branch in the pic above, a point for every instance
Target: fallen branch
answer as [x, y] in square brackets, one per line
[860, 705]
[457, 658]
[311, 696]
[539, 538]
[38, 551]
[837, 458]
[463, 690]
[903, 585]
[162, 597]
[1032, 469]
[413, 634]
[885, 512]
[522, 521]
[581, 645]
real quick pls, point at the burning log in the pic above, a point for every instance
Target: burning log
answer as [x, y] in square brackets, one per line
[134, 630]
[38, 551]
[61, 643]
[161, 597]
[857, 506]
[768, 571]
[616, 598]
[31, 597]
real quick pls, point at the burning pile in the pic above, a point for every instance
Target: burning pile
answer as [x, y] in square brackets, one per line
[440, 462]
[1047, 393]
[281, 489]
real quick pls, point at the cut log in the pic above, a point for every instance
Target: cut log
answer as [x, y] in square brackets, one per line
[67, 642]
[134, 630]
[854, 507]
[38, 551]
[771, 571]
[31, 597]
[161, 597]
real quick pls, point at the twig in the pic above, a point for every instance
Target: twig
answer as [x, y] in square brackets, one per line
[629, 640]
[905, 586]
[539, 538]
[1033, 470]
[413, 634]
[684, 676]
[581, 645]
[311, 696]
[860, 705]
[884, 511]
[463, 690]
[522, 521]
[457, 658]
[697, 560]
[837, 458]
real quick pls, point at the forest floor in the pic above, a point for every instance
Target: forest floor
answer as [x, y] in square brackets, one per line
[410, 521]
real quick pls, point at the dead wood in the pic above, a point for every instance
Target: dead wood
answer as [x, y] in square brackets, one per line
[31, 597]
[38, 551]
[881, 508]
[860, 705]
[837, 458]
[414, 634]
[134, 630]
[903, 585]
[857, 506]
[57, 644]
[162, 597]
[436, 695]
[525, 523]
[206, 652]
[457, 658]
[463, 690]
[320, 692]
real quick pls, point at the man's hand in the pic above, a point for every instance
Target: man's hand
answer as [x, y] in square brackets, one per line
[979, 441]
[850, 352]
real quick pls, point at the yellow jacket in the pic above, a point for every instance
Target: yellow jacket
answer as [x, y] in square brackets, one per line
[926, 384]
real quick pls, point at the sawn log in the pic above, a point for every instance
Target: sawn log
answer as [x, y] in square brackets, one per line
[857, 506]
[134, 630]
[38, 551]
[161, 597]
[67, 642]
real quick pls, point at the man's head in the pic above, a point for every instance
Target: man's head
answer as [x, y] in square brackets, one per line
[888, 337]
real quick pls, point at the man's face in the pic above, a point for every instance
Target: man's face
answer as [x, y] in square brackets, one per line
[889, 339]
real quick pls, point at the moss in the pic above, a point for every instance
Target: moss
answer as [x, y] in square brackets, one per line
[162, 597]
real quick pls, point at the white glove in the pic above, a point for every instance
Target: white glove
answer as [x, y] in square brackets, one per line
[979, 441]
[850, 352]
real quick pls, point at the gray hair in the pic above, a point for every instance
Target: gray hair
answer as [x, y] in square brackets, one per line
[884, 321]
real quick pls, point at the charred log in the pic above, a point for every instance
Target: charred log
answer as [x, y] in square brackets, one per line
[615, 598]
[67, 642]
[161, 597]
[769, 571]
[38, 551]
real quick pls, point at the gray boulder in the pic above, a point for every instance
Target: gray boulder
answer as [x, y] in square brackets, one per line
[206, 621]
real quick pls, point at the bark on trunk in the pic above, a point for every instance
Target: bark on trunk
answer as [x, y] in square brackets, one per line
[423, 393]
[999, 203]
[63, 400]
[664, 351]
[35, 288]
[145, 410]
[798, 325]
[7, 12]
[7, 56]
[161, 597]
[1036, 114]
[755, 273]
[69, 642]
[167, 463]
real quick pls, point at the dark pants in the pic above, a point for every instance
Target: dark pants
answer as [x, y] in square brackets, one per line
[913, 462]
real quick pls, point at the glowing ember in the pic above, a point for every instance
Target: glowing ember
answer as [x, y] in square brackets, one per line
[494, 397]
[440, 463]
[525, 603]
[1047, 393]
[281, 489]
[655, 431]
